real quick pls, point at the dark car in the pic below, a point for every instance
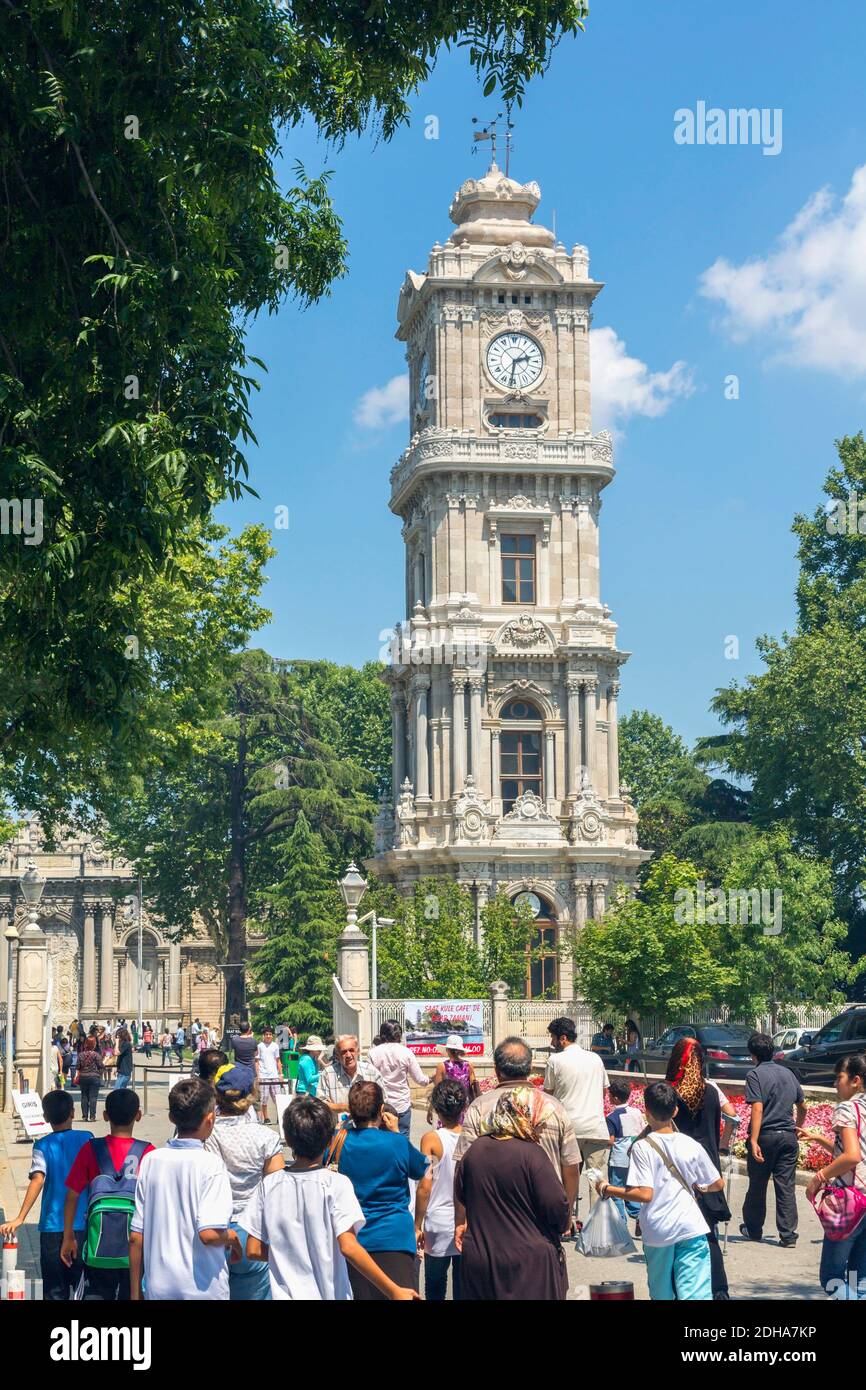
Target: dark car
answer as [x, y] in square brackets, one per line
[726, 1046]
[814, 1064]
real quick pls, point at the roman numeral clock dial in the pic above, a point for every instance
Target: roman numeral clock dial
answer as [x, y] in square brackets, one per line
[515, 360]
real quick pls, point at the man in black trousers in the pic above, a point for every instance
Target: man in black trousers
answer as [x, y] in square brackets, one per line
[772, 1091]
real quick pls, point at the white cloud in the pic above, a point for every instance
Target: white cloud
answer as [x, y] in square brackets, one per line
[807, 297]
[623, 386]
[383, 406]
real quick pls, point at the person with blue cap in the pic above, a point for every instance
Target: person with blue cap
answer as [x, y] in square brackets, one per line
[249, 1152]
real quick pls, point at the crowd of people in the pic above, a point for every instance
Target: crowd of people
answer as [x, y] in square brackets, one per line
[488, 1199]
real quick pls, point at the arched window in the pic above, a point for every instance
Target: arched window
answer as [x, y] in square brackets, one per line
[519, 754]
[541, 953]
[522, 710]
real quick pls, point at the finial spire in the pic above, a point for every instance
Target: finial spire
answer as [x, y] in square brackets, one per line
[489, 132]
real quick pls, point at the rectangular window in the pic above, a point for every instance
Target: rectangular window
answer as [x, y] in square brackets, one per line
[541, 976]
[519, 766]
[518, 569]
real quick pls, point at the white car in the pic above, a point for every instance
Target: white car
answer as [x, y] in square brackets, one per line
[787, 1039]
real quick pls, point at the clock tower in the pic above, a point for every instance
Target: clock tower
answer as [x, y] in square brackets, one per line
[505, 675]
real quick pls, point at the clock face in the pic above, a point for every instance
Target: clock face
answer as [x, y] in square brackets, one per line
[423, 372]
[515, 360]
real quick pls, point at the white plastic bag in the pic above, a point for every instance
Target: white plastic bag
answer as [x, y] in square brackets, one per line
[605, 1233]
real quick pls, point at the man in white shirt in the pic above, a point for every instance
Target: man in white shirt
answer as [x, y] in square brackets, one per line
[269, 1069]
[577, 1079]
[181, 1229]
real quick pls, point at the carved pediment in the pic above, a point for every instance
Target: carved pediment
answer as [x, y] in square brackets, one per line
[524, 634]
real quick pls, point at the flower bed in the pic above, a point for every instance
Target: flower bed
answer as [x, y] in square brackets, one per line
[811, 1157]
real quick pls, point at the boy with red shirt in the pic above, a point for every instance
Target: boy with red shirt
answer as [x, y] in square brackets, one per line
[119, 1152]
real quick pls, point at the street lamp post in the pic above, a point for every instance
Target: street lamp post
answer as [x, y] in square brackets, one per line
[34, 984]
[10, 936]
[353, 886]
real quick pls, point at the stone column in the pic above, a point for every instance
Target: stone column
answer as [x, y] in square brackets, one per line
[581, 896]
[420, 686]
[353, 972]
[107, 1001]
[599, 900]
[566, 961]
[4, 957]
[499, 1012]
[481, 894]
[88, 1004]
[398, 726]
[173, 1004]
[549, 765]
[475, 684]
[32, 990]
[591, 718]
[458, 734]
[495, 774]
[573, 686]
[612, 741]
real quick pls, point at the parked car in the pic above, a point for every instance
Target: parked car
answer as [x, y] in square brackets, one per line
[788, 1038]
[813, 1063]
[726, 1046]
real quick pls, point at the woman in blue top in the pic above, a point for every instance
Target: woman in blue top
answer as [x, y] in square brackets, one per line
[380, 1163]
[308, 1067]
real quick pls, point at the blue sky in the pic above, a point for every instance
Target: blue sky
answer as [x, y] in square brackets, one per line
[696, 540]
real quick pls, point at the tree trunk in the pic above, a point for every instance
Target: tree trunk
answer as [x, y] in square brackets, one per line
[236, 956]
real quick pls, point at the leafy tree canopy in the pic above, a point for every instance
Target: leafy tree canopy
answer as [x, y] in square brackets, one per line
[142, 225]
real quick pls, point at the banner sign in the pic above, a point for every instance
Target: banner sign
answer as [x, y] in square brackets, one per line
[28, 1108]
[430, 1021]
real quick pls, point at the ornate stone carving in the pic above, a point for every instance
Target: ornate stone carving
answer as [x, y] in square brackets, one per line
[530, 822]
[524, 632]
[406, 831]
[383, 826]
[602, 447]
[472, 816]
[517, 260]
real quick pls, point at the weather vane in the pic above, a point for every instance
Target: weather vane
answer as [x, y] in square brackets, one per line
[489, 132]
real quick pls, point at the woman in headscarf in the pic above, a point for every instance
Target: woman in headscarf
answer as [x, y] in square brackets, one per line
[701, 1107]
[515, 1207]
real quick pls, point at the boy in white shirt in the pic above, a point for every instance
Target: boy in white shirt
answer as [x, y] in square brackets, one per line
[180, 1235]
[666, 1169]
[304, 1220]
[269, 1070]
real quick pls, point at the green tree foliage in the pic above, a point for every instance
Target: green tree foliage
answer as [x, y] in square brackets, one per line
[302, 915]
[642, 957]
[651, 756]
[358, 705]
[143, 225]
[682, 810]
[431, 952]
[508, 948]
[797, 955]
[206, 822]
[796, 730]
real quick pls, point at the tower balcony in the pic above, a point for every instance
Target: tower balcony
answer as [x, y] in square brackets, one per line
[442, 451]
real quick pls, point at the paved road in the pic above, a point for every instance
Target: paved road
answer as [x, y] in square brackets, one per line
[755, 1271]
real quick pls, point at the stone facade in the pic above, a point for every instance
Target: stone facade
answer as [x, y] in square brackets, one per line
[505, 677]
[92, 951]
